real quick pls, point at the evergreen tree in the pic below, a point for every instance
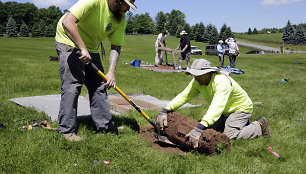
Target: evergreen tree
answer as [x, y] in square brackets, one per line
[37, 30]
[200, 32]
[50, 31]
[228, 33]
[24, 30]
[214, 35]
[250, 31]
[299, 36]
[288, 34]
[255, 31]
[205, 36]
[222, 35]
[192, 34]
[11, 28]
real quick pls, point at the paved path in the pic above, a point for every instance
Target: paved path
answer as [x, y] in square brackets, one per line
[266, 48]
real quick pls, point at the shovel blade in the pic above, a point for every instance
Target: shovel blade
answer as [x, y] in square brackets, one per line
[163, 139]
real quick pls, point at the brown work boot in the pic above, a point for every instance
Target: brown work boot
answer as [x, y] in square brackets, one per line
[264, 126]
[72, 137]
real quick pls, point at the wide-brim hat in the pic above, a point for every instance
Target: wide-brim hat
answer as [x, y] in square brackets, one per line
[231, 39]
[200, 67]
[183, 32]
[131, 4]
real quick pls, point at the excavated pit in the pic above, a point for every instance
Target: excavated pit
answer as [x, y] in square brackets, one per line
[211, 142]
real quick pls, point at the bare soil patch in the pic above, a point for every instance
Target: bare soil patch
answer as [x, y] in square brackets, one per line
[211, 142]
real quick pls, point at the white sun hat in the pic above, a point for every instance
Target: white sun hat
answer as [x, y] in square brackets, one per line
[131, 4]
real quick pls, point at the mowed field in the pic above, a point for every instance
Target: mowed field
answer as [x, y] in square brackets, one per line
[25, 70]
[271, 40]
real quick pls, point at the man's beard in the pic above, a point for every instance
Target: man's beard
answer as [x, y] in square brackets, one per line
[117, 14]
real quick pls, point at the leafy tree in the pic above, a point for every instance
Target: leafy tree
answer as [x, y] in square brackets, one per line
[250, 31]
[160, 21]
[255, 31]
[50, 31]
[11, 28]
[288, 34]
[143, 24]
[2, 29]
[176, 19]
[299, 36]
[24, 30]
[129, 22]
[3, 14]
[178, 31]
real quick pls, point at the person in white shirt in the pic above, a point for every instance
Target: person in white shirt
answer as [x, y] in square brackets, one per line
[220, 48]
[160, 42]
[233, 51]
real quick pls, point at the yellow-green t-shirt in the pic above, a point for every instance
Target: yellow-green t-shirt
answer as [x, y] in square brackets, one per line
[96, 22]
[223, 93]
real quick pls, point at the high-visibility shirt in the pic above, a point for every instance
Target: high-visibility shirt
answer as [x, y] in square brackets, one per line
[96, 22]
[223, 93]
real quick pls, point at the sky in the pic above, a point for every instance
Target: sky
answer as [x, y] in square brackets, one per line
[240, 15]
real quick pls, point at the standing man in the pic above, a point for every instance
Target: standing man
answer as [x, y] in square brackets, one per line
[160, 42]
[185, 49]
[233, 51]
[87, 23]
[227, 101]
[220, 49]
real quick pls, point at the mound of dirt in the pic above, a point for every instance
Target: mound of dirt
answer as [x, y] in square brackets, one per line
[211, 142]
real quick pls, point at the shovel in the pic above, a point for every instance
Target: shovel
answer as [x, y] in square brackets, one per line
[157, 135]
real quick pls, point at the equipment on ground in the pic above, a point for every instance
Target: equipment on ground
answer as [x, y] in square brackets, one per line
[156, 129]
[173, 51]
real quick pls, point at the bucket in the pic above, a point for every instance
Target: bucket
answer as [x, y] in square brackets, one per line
[137, 63]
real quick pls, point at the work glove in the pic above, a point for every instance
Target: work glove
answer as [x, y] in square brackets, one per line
[161, 119]
[194, 135]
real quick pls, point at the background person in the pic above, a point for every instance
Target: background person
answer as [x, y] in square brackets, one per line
[233, 51]
[160, 42]
[227, 100]
[185, 49]
[220, 49]
[87, 23]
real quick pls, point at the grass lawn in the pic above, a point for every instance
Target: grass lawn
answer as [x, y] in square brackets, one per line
[271, 40]
[25, 70]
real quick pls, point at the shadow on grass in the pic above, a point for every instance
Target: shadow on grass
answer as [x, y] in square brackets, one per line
[86, 121]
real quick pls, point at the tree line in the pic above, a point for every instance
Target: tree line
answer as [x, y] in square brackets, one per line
[174, 22]
[26, 19]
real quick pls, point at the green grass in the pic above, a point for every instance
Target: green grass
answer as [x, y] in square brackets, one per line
[25, 70]
[271, 40]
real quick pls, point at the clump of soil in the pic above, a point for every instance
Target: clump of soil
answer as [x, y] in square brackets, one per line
[211, 142]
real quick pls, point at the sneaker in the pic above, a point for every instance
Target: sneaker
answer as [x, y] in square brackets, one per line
[264, 126]
[72, 137]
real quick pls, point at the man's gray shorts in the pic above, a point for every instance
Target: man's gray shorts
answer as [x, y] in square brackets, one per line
[184, 56]
[73, 75]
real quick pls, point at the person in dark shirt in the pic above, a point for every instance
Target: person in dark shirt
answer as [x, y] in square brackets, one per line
[185, 49]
